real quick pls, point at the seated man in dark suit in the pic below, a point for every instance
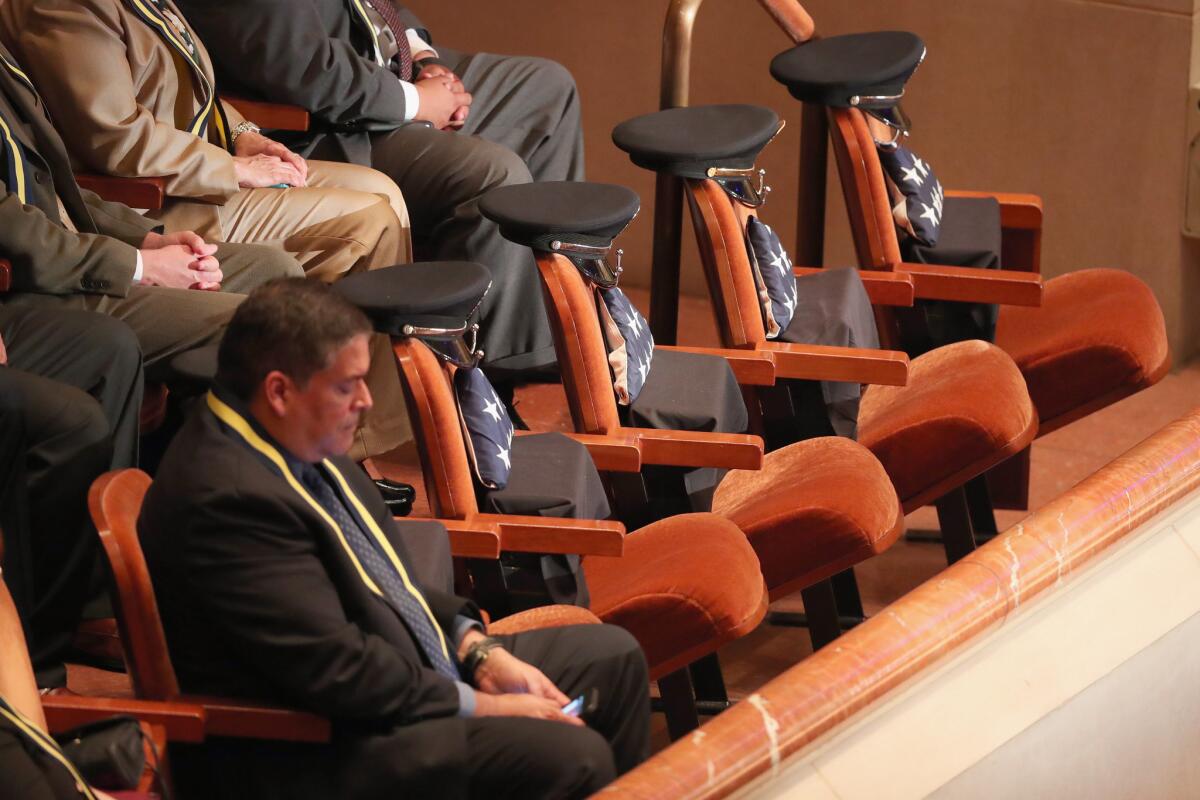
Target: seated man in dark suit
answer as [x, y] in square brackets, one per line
[280, 576]
[447, 127]
[70, 392]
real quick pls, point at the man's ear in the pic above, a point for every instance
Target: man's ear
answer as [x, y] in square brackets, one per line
[278, 391]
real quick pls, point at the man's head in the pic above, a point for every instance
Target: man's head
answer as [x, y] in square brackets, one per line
[298, 354]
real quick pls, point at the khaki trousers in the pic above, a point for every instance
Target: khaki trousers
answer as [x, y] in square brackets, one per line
[347, 219]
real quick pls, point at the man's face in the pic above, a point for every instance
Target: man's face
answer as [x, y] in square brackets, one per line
[323, 416]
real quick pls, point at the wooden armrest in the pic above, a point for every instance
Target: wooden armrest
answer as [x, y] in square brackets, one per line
[5, 274]
[1016, 210]
[147, 193]
[529, 534]
[975, 285]
[273, 116]
[245, 719]
[749, 367]
[611, 453]
[472, 538]
[817, 362]
[883, 288]
[183, 721]
[699, 448]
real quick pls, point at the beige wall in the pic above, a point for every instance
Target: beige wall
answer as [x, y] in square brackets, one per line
[1081, 101]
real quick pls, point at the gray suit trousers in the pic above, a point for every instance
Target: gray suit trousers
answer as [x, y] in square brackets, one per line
[524, 125]
[170, 321]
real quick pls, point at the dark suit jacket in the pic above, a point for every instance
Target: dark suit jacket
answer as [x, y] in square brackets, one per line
[308, 53]
[259, 599]
[46, 257]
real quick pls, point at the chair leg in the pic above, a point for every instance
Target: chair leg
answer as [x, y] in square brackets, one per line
[849, 600]
[678, 703]
[954, 518]
[983, 514]
[820, 604]
[709, 684]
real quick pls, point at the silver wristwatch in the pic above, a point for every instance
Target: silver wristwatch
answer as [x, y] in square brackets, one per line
[239, 129]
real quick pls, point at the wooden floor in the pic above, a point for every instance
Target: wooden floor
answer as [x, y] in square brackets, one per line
[1060, 460]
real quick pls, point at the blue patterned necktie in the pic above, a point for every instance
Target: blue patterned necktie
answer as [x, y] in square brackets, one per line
[385, 576]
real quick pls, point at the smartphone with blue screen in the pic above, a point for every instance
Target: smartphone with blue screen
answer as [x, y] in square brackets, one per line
[583, 705]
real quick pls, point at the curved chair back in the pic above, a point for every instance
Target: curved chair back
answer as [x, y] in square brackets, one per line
[864, 189]
[578, 340]
[17, 684]
[720, 226]
[115, 500]
[433, 410]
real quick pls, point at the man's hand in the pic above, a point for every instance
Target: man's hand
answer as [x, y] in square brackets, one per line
[504, 673]
[444, 101]
[190, 239]
[253, 144]
[3, 353]
[459, 117]
[262, 170]
[181, 261]
[521, 705]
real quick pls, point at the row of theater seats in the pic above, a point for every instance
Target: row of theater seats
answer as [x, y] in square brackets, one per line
[725, 520]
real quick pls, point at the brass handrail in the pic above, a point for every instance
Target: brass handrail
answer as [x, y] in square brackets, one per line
[674, 89]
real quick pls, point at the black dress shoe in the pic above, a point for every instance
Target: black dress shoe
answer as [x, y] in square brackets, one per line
[398, 496]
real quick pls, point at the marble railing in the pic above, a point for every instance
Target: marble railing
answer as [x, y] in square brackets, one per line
[928, 626]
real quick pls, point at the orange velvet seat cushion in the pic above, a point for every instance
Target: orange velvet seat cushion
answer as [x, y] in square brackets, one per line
[684, 586]
[1098, 332]
[815, 508]
[543, 617]
[965, 409]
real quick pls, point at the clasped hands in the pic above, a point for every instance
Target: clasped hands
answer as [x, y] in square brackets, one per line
[260, 162]
[445, 102]
[509, 687]
[180, 261]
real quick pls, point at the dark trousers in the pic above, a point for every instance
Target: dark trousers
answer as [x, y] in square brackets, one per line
[69, 402]
[524, 125]
[502, 757]
[535, 758]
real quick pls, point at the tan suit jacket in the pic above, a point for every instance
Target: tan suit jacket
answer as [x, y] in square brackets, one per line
[122, 98]
[47, 257]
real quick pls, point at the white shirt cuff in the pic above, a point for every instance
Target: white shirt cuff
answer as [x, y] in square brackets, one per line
[412, 101]
[416, 44]
[137, 269]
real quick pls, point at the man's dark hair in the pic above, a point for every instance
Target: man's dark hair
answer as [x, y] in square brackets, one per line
[292, 325]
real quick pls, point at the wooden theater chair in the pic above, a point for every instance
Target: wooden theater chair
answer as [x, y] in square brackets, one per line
[115, 500]
[964, 409]
[56, 714]
[683, 586]
[815, 508]
[149, 192]
[1097, 335]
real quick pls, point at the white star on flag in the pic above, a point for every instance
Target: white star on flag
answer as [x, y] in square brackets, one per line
[912, 176]
[643, 369]
[930, 214]
[789, 303]
[779, 260]
[502, 454]
[920, 165]
[492, 409]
